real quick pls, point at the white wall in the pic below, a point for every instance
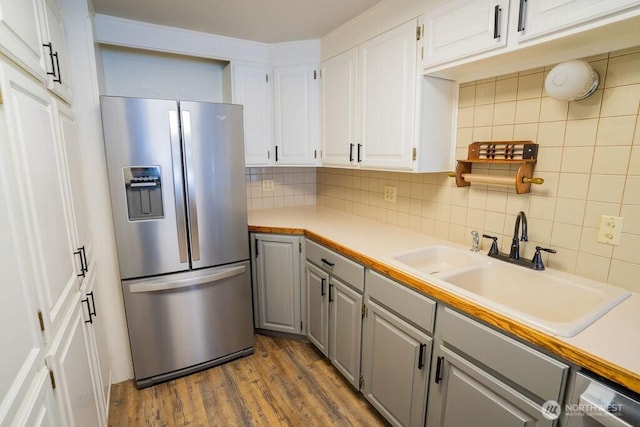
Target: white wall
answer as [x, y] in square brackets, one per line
[147, 74]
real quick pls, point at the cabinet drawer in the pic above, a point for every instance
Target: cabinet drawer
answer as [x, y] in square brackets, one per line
[536, 372]
[339, 266]
[409, 304]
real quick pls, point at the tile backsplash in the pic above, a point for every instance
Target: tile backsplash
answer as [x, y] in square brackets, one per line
[291, 187]
[589, 157]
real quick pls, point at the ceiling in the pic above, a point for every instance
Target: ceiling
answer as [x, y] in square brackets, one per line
[267, 21]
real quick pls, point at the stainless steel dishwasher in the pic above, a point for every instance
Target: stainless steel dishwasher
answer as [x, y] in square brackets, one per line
[596, 402]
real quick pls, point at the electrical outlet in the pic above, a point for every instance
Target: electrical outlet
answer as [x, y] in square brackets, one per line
[390, 193]
[267, 185]
[610, 230]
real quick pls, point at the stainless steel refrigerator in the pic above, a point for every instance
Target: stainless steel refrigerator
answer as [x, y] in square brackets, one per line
[176, 176]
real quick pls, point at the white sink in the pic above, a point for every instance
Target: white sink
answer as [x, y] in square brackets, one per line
[437, 259]
[556, 302]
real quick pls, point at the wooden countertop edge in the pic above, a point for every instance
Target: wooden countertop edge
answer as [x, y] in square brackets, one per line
[556, 346]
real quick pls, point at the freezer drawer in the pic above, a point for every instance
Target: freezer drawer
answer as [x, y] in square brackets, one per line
[186, 322]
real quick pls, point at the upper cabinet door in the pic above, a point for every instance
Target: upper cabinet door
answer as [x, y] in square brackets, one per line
[43, 182]
[465, 27]
[21, 34]
[295, 115]
[338, 103]
[388, 98]
[57, 66]
[537, 18]
[252, 89]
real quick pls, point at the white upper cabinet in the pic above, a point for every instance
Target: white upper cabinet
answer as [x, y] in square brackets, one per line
[379, 112]
[55, 47]
[252, 88]
[295, 114]
[338, 93]
[388, 98]
[464, 27]
[536, 18]
[475, 39]
[280, 113]
[21, 34]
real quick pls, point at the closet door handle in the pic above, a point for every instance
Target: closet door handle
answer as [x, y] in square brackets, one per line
[53, 64]
[359, 147]
[330, 293]
[58, 79]
[496, 20]
[322, 292]
[276, 153]
[82, 268]
[84, 259]
[86, 300]
[93, 303]
[350, 152]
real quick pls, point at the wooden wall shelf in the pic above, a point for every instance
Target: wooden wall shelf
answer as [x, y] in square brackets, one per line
[521, 153]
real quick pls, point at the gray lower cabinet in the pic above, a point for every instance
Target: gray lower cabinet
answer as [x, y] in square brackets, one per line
[396, 350]
[334, 286]
[345, 332]
[317, 290]
[276, 282]
[483, 377]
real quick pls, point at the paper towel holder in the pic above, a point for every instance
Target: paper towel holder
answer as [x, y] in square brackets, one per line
[521, 153]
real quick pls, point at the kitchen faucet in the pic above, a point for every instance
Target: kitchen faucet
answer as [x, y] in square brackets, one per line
[515, 244]
[514, 255]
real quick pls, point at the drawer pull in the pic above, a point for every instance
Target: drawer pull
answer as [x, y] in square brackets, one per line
[438, 377]
[324, 261]
[421, 356]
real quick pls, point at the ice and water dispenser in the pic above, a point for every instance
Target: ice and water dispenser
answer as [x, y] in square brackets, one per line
[143, 185]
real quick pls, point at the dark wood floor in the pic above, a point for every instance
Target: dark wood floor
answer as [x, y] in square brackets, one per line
[285, 382]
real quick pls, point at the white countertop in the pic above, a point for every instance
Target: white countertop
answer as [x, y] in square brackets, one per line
[614, 338]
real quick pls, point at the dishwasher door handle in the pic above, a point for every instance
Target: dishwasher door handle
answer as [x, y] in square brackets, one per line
[602, 416]
[184, 283]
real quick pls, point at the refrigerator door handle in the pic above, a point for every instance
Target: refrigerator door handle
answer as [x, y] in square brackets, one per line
[176, 159]
[191, 186]
[168, 284]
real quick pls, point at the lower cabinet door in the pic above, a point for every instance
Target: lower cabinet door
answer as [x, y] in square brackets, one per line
[70, 360]
[317, 283]
[345, 319]
[395, 367]
[462, 394]
[38, 407]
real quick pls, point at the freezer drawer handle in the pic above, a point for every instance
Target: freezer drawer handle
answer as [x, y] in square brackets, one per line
[603, 417]
[170, 285]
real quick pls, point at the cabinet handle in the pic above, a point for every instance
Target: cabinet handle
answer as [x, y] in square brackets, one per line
[58, 79]
[276, 153]
[421, 356]
[496, 19]
[359, 159]
[82, 268]
[324, 261]
[322, 292]
[84, 258]
[351, 152]
[88, 310]
[53, 64]
[330, 293]
[438, 377]
[93, 303]
[523, 4]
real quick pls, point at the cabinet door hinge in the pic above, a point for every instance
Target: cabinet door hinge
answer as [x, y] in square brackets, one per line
[361, 381]
[422, 53]
[41, 320]
[315, 75]
[364, 311]
[418, 32]
[415, 153]
[52, 378]
[1, 101]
